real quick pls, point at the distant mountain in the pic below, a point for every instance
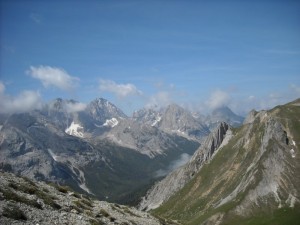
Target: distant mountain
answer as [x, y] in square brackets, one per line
[175, 120]
[248, 176]
[223, 114]
[97, 149]
[94, 149]
[101, 110]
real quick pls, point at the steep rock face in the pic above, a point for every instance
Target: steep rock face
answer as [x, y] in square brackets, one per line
[174, 120]
[164, 189]
[177, 119]
[26, 202]
[100, 110]
[253, 177]
[145, 139]
[147, 116]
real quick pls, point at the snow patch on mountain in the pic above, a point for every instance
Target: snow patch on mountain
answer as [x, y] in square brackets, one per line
[291, 200]
[54, 157]
[82, 185]
[75, 130]
[111, 123]
[292, 151]
[158, 119]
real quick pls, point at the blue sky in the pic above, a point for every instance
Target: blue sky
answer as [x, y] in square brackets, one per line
[199, 54]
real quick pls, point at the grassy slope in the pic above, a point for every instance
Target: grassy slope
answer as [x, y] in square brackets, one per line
[195, 202]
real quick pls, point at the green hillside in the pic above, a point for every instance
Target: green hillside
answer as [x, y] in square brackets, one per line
[254, 179]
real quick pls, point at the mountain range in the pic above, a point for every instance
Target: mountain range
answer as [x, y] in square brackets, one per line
[189, 168]
[96, 148]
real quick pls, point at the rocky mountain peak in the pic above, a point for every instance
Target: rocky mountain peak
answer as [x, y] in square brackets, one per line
[250, 117]
[225, 114]
[101, 109]
[57, 104]
[147, 115]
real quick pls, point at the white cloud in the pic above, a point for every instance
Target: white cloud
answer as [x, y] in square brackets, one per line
[120, 90]
[183, 159]
[160, 99]
[75, 107]
[217, 99]
[295, 89]
[52, 76]
[2, 88]
[24, 102]
[35, 17]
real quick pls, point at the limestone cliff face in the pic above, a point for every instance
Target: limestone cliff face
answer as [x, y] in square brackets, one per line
[164, 189]
[253, 176]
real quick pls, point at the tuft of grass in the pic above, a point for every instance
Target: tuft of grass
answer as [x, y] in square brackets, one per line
[104, 213]
[76, 195]
[63, 189]
[87, 202]
[128, 211]
[60, 188]
[48, 200]
[96, 222]
[32, 183]
[13, 212]
[81, 205]
[25, 188]
[10, 195]
[112, 219]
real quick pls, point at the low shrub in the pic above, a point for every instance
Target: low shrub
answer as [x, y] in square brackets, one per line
[13, 212]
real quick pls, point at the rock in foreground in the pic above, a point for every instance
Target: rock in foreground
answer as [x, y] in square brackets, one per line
[26, 202]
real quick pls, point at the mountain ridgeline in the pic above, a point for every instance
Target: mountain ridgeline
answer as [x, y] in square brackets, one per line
[250, 176]
[181, 166]
[96, 148]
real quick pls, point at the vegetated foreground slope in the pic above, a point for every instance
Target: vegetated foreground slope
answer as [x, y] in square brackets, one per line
[26, 202]
[254, 179]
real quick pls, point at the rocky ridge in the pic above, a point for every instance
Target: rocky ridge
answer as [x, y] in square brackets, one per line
[253, 178]
[176, 180]
[26, 202]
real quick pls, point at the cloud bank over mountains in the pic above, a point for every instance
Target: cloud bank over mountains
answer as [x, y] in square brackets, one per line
[120, 90]
[127, 93]
[27, 100]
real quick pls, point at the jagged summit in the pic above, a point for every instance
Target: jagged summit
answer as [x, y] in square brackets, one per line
[147, 116]
[101, 109]
[173, 119]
